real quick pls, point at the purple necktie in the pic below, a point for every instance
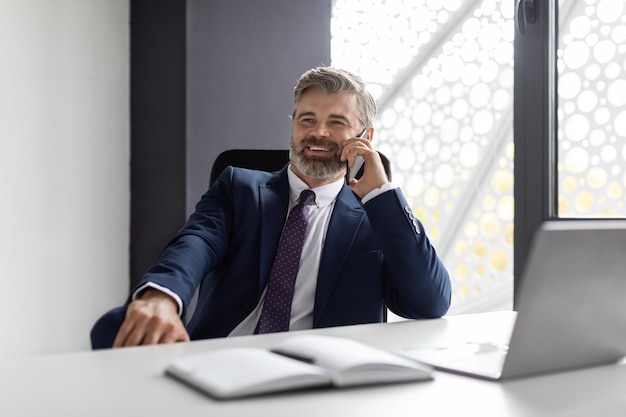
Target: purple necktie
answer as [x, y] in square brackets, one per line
[276, 312]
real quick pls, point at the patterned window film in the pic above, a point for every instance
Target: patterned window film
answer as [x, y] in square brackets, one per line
[592, 108]
[442, 71]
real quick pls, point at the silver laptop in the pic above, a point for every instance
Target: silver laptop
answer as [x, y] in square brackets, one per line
[571, 307]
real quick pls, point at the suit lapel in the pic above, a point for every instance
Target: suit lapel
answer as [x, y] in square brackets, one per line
[273, 204]
[347, 216]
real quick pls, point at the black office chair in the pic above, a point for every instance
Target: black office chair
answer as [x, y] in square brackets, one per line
[262, 159]
[265, 160]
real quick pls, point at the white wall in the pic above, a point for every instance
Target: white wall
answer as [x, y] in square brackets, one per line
[64, 170]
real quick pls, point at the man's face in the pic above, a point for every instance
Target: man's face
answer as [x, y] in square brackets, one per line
[321, 123]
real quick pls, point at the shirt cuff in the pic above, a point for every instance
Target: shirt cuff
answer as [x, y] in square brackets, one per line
[378, 191]
[162, 289]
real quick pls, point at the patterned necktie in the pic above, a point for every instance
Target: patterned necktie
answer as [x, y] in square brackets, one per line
[276, 312]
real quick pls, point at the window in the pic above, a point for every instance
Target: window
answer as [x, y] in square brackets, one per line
[569, 115]
[442, 71]
[591, 63]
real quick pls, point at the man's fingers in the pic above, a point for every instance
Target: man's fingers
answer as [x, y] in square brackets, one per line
[150, 322]
[125, 333]
[159, 330]
[131, 331]
[122, 334]
[174, 336]
[154, 331]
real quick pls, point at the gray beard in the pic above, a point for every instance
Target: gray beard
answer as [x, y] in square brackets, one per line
[320, 169]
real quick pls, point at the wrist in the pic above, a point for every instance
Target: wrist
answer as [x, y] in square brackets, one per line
[157, 296]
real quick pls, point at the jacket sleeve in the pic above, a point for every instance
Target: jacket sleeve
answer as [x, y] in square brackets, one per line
[416, 283]
[200, 244]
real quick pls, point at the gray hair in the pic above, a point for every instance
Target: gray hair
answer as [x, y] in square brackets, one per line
[334, 80]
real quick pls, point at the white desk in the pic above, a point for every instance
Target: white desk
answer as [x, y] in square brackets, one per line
[130, 382]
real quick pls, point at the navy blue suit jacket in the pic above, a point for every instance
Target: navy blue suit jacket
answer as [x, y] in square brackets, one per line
[374, 255]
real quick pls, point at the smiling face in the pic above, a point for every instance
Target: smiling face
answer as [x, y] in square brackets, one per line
[321, 123]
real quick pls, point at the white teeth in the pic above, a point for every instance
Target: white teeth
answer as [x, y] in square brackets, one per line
[315, 148]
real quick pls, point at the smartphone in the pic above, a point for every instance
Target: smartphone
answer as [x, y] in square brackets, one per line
[358, 163]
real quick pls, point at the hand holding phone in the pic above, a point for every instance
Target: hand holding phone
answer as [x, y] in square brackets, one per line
[351, 172]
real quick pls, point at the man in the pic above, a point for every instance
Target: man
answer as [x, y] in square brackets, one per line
[363, 248]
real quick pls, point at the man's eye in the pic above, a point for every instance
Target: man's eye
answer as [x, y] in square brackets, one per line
[337, 123]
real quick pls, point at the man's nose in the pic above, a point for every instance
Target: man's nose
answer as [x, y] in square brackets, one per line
[321, 131]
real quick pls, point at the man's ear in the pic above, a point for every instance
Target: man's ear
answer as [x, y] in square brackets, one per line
[370, 133]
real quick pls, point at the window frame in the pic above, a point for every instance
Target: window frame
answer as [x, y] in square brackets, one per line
[534, 127]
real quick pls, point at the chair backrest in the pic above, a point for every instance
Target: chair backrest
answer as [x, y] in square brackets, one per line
[265, 160]
[262, 159]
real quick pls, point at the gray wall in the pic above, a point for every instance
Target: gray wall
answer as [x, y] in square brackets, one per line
[244, 58]
[158, 127]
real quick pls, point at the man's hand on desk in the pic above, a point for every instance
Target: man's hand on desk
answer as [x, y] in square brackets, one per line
[151, 319]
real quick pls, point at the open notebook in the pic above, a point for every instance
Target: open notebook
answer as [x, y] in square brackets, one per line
[297, 362]
[571, 307]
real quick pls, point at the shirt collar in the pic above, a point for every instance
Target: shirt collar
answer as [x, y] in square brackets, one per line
[324, 195]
